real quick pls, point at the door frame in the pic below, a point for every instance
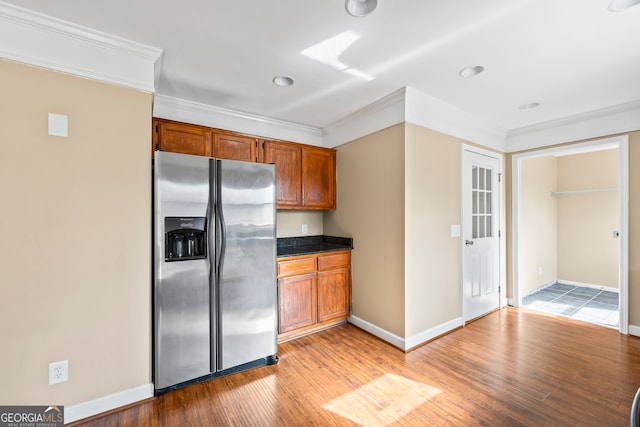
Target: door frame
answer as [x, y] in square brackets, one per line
[499, 212]
[622, 143]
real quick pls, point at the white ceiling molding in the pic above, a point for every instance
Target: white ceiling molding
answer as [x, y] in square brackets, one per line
[181, 110]
[410, 105]
[608, 121]
[36, 39]
[379, 115]
[432, 113]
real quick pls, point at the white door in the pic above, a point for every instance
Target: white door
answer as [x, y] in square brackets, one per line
[481, 244]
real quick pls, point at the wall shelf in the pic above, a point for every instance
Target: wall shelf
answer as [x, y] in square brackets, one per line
[603, 190]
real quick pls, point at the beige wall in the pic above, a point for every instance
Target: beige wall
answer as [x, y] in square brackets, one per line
[538, 223]
[76, 227]
[289, 223]
[587, 251]
[370, 199]
[399, 192]
[433, 264]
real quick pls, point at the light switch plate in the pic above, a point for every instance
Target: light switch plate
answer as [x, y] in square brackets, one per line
[455, 230]
[58, 125]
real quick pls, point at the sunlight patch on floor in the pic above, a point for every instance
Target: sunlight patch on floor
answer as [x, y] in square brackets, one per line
[382, 401]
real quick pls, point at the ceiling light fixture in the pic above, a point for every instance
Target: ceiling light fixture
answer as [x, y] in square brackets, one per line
[619, 5]
[360, 8]
[282, 81]
[529, 106]
[471, 71]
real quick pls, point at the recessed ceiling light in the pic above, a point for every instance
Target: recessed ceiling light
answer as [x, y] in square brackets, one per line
[360, 8]
[471, 71]
[618, 5]
[529, 106]
[282, 81]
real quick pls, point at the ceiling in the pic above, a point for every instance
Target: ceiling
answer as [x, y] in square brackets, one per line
[571, 56]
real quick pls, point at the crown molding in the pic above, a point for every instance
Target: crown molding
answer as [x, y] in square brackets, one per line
[43, 41]
[410, 105]
[381, 114]
[167, 107]
[432, 113]
[607, 121]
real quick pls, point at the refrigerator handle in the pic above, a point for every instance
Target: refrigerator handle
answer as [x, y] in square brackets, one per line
[222, 234]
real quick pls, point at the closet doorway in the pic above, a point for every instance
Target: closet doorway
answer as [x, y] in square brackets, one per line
[570, 231]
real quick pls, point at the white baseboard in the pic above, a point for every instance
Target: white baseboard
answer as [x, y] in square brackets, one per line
[587, 285]
[410, 342]
[107, 403]
[383, 334]
[432, 333]
[634, 330]
[541, 287]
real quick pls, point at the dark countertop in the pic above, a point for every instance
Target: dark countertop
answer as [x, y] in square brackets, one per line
[293, 246]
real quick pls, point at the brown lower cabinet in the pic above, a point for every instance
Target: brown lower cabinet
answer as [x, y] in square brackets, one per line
[314, 293]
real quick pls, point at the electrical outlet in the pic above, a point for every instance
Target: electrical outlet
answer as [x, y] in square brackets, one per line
[305, 229]
[58, 372]
[539, 271]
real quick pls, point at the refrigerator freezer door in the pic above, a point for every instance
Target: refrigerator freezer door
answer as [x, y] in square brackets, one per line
[247, 287]
[181, 288]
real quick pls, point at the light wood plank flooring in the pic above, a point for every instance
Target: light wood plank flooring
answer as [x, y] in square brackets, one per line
[513, 367]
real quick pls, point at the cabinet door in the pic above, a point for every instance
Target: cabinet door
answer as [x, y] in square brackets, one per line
[297, 297]
[235, 147]
[319, 178]
[334, 294]
[288, 161]
[184, 138]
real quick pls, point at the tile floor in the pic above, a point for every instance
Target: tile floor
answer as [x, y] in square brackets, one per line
[577, 302]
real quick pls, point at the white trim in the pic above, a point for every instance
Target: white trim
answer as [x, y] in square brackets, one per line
[171, 108]
[516, 298]
[586, 285]
[622, 141]
[107, 403]
[599, 123]
[381, 114]
[435, 332]
[623, 248]
[410, 342]
[432, 113]
[634, 330]
[43, 41]
[377, 331]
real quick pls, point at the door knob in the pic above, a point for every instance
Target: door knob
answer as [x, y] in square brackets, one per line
[468, 242]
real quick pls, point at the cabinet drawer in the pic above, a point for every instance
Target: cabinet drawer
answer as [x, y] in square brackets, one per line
[331, 262]
[297, 266]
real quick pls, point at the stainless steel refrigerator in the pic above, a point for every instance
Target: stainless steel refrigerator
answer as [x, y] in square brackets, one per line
[215, 289]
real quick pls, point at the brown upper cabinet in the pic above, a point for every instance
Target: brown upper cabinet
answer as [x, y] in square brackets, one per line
[318, 178]
[203, 141]
[183, 138]
[288, 160]
[235, 147]
[305, 175]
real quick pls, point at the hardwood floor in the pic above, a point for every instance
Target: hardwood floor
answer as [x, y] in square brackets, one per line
[513, 367]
